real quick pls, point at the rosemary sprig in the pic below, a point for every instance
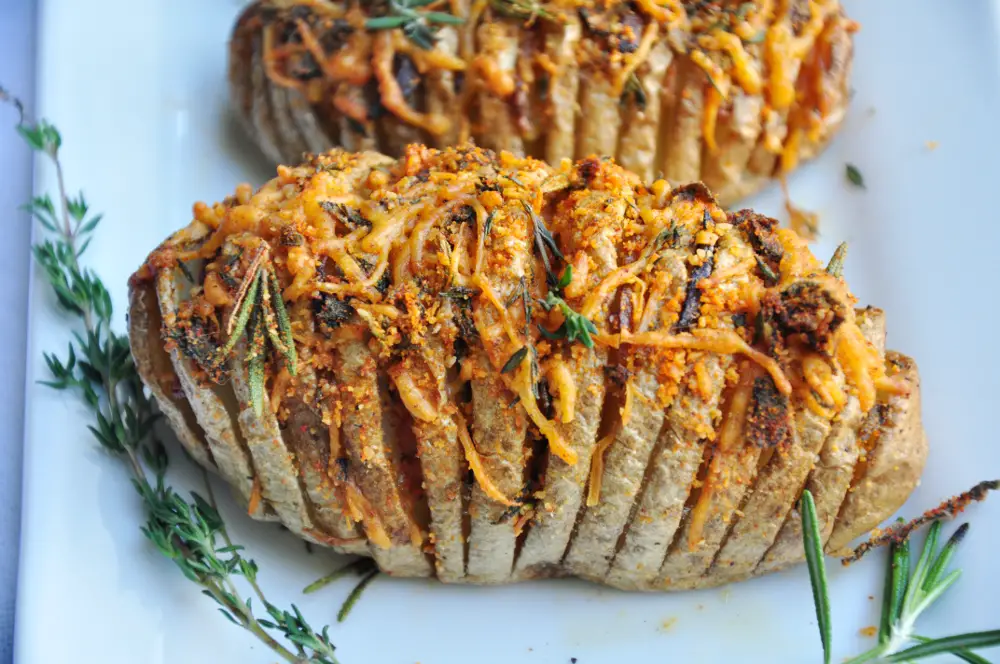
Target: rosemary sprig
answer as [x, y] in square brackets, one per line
[99, 365]
[418, 26]
[908, 594]
[260, 316]
[817, 570]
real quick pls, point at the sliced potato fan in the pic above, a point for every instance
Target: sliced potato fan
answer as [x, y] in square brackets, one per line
[478, 367]
[730, 93]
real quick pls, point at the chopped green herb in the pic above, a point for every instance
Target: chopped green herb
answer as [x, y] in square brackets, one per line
[419, 27]
[854, 176]
[515, 360]
[575, 327]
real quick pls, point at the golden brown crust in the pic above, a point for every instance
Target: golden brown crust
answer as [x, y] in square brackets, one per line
[605, 363]
[732, 93]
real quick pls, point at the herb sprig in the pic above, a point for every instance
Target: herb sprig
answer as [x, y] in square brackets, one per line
[260, 317]
[418, 26]
[906, 596]
[575, 327]
[98, 364]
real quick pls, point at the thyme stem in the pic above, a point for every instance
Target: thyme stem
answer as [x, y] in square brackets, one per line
[99, 364]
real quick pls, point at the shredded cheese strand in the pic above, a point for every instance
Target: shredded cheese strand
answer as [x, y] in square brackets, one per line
[597, 469]
[476, 464]
[361, 511]
[716, 341]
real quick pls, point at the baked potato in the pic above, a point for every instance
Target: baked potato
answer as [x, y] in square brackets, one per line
[730, 93]
[479, 367]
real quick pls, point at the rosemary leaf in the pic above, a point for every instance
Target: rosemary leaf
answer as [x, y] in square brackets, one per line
[961, 653]
[515, 360]
[256, 364]
[944, 558]
[355, 595]
[900, 556]
[362, 565]
[915, 588]
[284, 325]
[544, 242]
[947, 644]
[885, 618]
[488, 224]
[386, 22]
[836, 265]
[246, 306]
[813, 544]
[444, 19]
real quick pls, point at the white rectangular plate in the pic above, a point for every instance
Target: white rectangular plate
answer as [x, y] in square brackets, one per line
[138, 90]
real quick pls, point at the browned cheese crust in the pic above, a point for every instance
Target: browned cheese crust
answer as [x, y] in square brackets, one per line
[479, 367]
[728, 92]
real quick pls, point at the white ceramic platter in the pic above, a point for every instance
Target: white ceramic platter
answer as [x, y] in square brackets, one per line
[137, 89]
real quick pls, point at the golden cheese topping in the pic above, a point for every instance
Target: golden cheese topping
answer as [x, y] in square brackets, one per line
[368, 58]
[530, 264]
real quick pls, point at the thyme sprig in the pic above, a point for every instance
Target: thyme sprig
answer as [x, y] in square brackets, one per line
[419, 26]
[575, 326]
[99, 365]
[906, 596]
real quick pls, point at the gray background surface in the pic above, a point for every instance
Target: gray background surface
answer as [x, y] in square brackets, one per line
[17, 74]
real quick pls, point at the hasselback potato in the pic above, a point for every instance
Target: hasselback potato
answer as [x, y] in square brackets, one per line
[480, 367]
[727, 92]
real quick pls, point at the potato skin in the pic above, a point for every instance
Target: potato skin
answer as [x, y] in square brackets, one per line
[306, 77]
[430, 424]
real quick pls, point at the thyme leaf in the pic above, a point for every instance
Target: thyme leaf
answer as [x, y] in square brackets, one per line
[99, 366]
[854, 176]
[575, 327]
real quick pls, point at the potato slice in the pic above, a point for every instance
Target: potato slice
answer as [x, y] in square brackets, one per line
[439, 450]
[369, 448]
[830, 478]
[892, 468]
[641, 121]
[561, 43]
[626, 459]
[214, 406]
[495, 126]
[691, 423]
[154, 366]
